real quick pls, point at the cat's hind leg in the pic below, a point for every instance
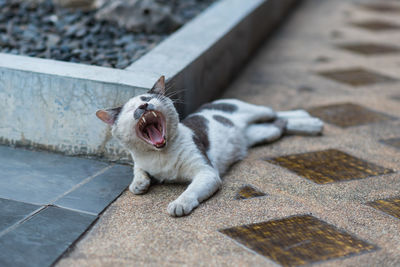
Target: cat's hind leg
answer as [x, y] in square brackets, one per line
[264, 132]
[300, 122]
[246, 113]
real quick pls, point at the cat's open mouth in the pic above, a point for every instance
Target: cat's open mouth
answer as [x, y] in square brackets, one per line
[151, 128]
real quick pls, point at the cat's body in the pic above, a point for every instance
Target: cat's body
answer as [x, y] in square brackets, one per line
[199, 149]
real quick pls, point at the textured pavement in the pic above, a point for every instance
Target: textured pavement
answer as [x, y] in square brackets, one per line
[311, 63]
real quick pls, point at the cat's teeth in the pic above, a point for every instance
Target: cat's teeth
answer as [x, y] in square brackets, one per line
[144, 120]
[154, 114]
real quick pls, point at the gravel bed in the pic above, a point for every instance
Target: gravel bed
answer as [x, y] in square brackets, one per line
[47, 31]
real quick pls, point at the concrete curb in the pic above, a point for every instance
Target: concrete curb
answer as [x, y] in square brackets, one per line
[50, 105]
[203, 57]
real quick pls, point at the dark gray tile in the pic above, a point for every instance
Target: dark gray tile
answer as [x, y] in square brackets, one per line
[40, 240]
[348, 114]
[39, 177]
[13, 211]
[95, 195]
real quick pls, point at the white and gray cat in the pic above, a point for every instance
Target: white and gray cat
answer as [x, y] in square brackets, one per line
[199, 149]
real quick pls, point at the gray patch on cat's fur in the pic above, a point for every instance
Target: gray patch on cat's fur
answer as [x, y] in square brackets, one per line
[150, 107]
[199, 125]
[138, 113]
[230, 108]
[114, 113]
[281, 124]
[224, 121]
[146, 98]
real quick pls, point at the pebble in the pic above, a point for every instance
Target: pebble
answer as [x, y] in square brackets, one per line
[41, 29]
[52, 39]
[80, 33]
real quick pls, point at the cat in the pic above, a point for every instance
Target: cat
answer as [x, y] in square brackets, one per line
[201, 148]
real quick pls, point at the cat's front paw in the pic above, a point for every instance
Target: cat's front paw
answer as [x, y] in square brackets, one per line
[139, 186]
[182, 206]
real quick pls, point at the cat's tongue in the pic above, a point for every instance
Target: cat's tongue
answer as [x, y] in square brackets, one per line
[155, 135]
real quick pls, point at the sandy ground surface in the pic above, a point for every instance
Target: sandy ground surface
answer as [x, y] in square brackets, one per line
[136, 230]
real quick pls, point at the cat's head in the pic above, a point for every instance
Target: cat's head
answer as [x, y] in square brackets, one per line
[146, 122]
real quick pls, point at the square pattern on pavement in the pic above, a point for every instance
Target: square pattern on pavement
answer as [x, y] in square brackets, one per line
[297, 240]
[249, 191]
[376, 25]
[390, 206]
[328, 166]
[369, 48]
[347, 114]
[395, 97]
[394, 142]
[381, 7]
[356, 76]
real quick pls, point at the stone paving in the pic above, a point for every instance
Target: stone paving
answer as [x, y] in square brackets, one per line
[331, 200]
[47, 201]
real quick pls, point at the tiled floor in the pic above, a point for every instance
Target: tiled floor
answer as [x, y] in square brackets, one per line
[40, 239]
[14, 211]
[47, 201]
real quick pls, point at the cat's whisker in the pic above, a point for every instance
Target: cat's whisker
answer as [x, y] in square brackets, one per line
[169, 86]
[174, 93]
[177, 90]
[179, 101]
[170, 83]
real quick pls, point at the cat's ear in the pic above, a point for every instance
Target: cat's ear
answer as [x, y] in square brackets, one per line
[158, 87]
[109, 116]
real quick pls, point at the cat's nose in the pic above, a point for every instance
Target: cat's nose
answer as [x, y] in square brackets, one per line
[143, 106]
